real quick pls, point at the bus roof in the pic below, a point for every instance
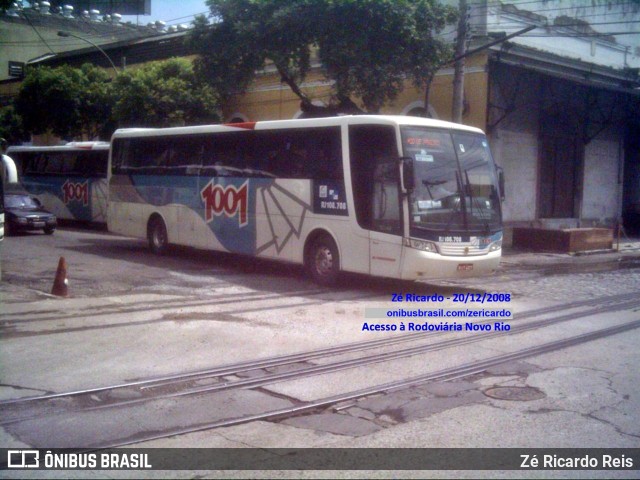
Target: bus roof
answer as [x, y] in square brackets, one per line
[296, 123]
[60, 148]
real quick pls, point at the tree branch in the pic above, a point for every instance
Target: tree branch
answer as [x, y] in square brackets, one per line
[286, 78]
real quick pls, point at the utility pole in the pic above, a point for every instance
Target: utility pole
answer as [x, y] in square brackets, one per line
[458, 67]
[468, 53]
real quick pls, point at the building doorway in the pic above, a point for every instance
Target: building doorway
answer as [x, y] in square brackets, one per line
[631, 191]
[561, 155]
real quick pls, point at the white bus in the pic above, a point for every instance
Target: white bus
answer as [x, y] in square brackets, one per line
[390, 196]
[69, 180]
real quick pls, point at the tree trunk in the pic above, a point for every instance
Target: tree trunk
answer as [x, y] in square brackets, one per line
[458, 72]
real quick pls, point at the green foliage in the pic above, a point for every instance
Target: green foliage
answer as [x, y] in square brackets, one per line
[85, 102]
[70, 102]
[368, 47]
[96, 103]
[374, 45]
[163, 94]
[11, 126]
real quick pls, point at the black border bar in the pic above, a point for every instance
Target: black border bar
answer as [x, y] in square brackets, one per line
[322, 459]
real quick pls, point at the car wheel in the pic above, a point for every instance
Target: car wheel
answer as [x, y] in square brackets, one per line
[49, 230]
[323, 261]
[157, 235]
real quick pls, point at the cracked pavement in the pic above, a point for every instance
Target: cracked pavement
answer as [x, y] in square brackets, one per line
[589, 394]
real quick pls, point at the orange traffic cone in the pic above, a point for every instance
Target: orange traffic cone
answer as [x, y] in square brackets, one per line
[61, 284]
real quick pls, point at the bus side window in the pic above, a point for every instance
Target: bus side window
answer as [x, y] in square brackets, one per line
[325, 156]
[267, 155]
[120, 150]
[70, 164]
[54, 163]
[132, 156]
[293, 156]
[85, 164]
[299, 154]
[262, 153]
[220, 155]
[24, 162]
[145, 155]
[186, 155]
[157, 154]
[97, 163]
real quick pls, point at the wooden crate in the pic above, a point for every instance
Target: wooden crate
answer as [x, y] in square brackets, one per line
[570, 240]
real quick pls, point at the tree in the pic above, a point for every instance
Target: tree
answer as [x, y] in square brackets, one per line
[69, 102]
[458, 66]
[367, 47]
[11, 126]
[163, 94]
[5, 4]
[96, 102]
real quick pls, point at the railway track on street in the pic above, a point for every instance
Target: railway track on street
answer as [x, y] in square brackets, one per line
[259, 375]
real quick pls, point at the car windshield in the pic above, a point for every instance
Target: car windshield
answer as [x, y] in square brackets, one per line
[20, 201]
[455, 185]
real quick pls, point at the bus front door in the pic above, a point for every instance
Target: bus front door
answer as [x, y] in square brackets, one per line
[386, 221]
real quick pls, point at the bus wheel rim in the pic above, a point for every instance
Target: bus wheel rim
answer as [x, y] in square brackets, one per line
[158, 237]
[324, 261]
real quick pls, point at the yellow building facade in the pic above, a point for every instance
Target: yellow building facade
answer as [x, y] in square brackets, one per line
[269, 99]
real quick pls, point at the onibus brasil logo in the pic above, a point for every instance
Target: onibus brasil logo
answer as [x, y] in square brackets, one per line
[229, 200]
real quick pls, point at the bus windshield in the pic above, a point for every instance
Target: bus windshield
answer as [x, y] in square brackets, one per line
[455, 183]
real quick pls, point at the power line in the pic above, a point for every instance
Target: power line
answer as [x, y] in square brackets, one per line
[38, 33]
[571, 25]
[188, 16]
[490, 25]
[518, 4]
[531, 35]
[576, 35]
[555, 9]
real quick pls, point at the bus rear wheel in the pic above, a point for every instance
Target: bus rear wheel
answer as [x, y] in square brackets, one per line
[157, 236]
[323, 261]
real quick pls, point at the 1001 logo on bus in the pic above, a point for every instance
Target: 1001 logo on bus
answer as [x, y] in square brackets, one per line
[229, 200]
[75, 192]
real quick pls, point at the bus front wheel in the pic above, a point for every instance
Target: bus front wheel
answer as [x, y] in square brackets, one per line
[323, 261]
[157, 235]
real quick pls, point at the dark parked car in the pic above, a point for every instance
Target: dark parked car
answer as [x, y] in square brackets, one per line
[24, 212]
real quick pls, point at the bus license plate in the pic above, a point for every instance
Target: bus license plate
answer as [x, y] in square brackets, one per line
[465, 267]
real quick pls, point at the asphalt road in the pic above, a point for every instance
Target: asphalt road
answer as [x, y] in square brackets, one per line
[564, 374]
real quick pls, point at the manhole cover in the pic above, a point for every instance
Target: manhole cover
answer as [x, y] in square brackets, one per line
[520, 394]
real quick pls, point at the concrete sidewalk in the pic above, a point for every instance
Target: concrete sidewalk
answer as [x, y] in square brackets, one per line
[627, 251]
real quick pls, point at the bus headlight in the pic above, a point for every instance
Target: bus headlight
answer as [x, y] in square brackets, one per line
[421, 245]
[495, 246]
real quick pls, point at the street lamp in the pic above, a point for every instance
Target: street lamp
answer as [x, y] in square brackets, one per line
[68, 34]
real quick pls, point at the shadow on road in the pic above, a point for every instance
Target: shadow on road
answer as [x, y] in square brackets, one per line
[197, 268]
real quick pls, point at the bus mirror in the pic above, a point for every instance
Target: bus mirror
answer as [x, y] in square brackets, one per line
[8, 170]
[408, 183]
[501, 182]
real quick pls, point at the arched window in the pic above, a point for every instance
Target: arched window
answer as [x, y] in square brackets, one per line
[416, 109]
[238, 118]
